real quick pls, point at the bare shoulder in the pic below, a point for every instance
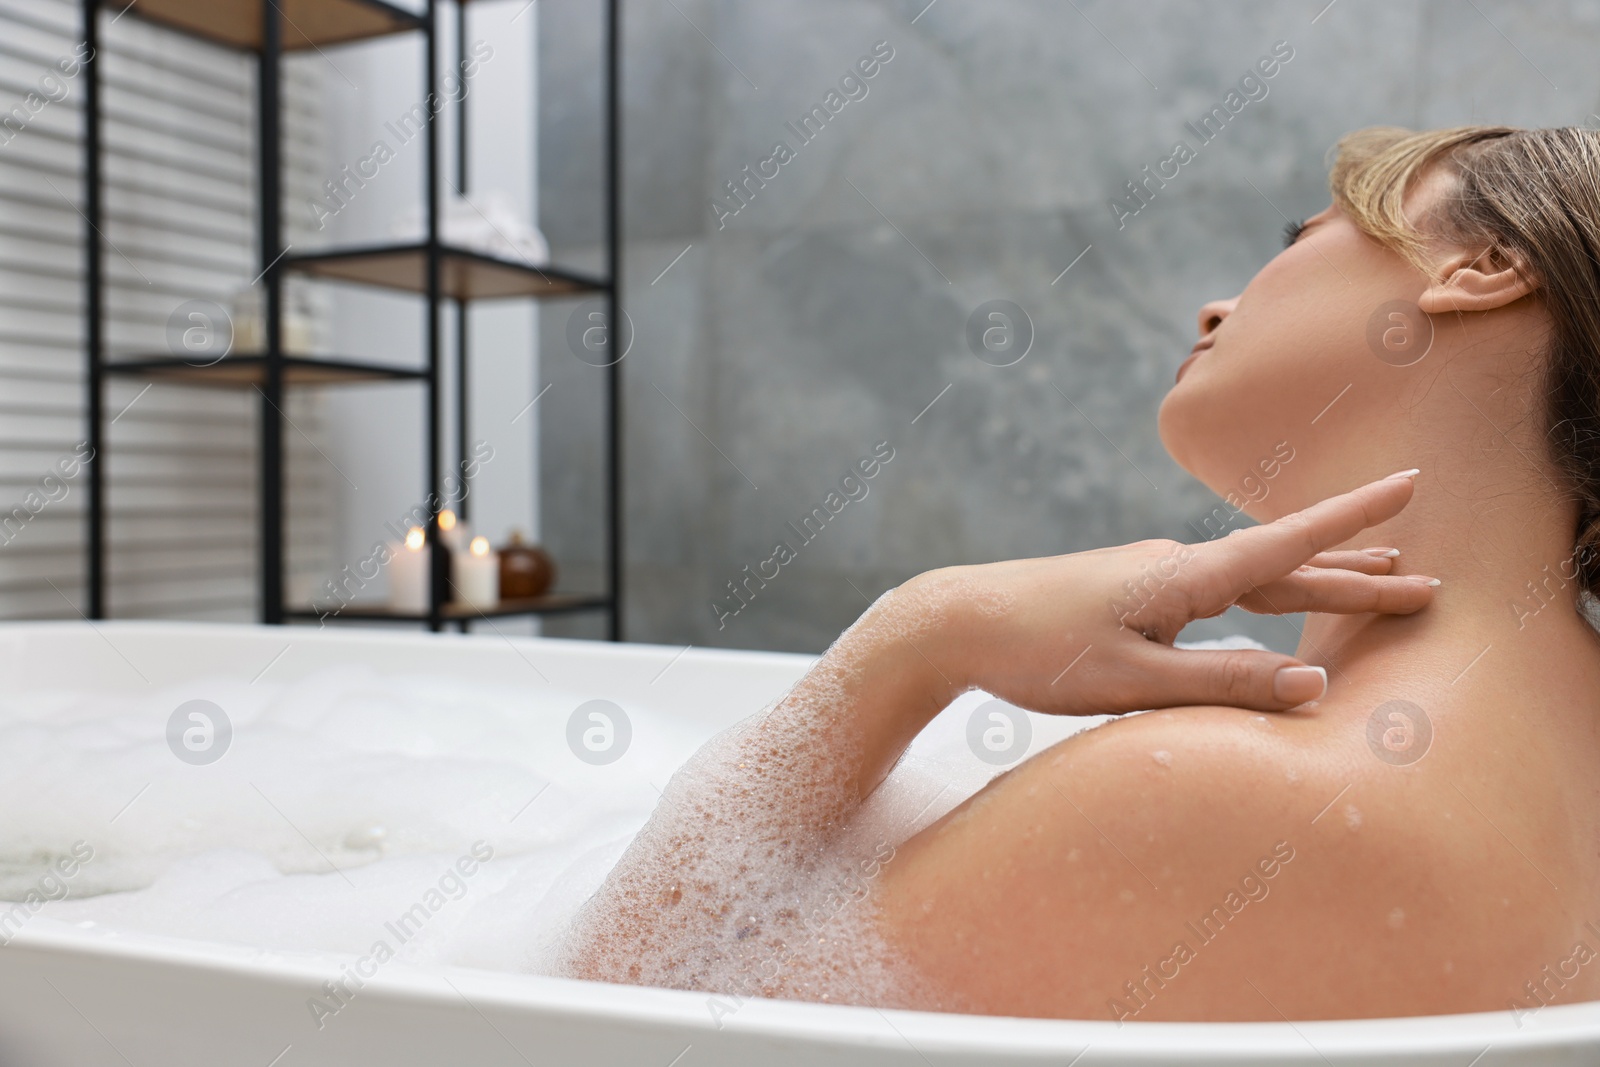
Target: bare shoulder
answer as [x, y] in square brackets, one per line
[1187, 864]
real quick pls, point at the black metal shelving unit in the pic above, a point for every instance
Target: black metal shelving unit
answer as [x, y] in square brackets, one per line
[429, 268]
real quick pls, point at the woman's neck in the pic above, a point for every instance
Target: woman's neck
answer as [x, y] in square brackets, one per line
[1502, 550]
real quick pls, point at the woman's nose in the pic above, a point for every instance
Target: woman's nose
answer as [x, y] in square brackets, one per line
[1212, 314]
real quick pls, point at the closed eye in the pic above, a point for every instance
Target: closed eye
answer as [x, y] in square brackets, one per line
[1292, 231]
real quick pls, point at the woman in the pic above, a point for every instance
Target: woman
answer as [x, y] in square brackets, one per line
[1417, 828]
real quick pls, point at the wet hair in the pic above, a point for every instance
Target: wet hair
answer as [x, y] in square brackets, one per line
[1530, 198]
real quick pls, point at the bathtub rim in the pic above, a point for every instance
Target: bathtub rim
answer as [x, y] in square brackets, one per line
[829, 1025]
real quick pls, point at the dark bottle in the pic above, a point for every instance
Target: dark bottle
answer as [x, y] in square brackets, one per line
[525, 570]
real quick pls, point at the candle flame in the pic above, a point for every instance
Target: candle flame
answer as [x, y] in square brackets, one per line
[414, 538]
[480, 546]
[447, 519]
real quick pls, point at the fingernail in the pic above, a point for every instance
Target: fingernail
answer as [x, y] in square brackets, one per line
[1412, 473]
[1296, 685]
[1423, 578]
[1387, 553]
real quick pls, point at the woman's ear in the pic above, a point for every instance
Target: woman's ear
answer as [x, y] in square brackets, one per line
[1481, 282]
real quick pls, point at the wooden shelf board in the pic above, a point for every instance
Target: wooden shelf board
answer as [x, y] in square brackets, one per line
[242, 371]
[306, 23]
[463, 274]
[548, 604]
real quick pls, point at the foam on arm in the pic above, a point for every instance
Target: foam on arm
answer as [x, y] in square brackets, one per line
[747, 878]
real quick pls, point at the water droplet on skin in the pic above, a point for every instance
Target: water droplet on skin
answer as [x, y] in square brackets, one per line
[1397, 918]
[1162, 756]
[1352, 817]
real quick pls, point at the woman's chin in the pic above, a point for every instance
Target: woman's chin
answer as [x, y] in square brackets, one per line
[1196, 441]
[1174, 429]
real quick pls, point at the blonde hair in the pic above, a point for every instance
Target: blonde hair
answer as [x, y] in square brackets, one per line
[1532, 198]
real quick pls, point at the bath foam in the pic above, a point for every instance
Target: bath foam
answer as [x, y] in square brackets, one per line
[755, 874]
[390, 779]
[341, 800]
[752, 907]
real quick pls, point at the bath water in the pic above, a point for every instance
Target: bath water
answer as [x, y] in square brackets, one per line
[447, 818]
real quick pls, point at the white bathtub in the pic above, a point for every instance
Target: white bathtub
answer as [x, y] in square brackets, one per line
[80, 998]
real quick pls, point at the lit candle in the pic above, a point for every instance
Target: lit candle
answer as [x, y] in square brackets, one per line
[408, 574]
[453, 531]
[477, 575]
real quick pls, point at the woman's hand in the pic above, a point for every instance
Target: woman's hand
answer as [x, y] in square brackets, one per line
[1091, 632]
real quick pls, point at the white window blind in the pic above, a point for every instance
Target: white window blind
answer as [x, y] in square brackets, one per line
[181, 463]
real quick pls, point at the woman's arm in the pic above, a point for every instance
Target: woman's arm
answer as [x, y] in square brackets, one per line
[723, 888]
[733, 885]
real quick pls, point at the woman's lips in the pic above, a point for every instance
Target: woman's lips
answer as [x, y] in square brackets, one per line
[1193, 355]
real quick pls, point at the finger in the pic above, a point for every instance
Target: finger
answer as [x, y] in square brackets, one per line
[1365, 561]
[1238, 677]
[1253, 556]
[1339, 592]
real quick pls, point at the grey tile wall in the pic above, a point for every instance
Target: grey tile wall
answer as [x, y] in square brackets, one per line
[829, 312]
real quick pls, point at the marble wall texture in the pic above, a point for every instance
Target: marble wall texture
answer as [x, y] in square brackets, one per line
[775, 346]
